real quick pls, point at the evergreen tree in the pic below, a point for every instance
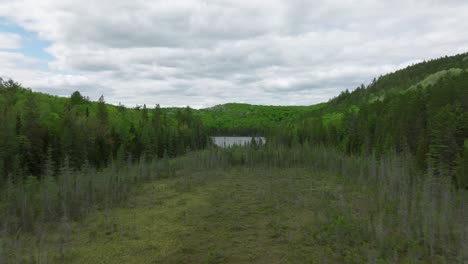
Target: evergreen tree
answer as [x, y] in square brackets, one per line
[102, 115]
[32, 145]
[76, 98]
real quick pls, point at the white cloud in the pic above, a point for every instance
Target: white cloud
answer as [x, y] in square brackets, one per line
[203, 53]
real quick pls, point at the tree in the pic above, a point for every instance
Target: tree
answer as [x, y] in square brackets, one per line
[144, 115]
[102, 114]
[32, 145]
[76, 98]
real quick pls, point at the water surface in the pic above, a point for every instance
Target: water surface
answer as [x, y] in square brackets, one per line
[231, 141]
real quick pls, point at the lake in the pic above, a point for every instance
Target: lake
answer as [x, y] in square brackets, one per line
[231, 141]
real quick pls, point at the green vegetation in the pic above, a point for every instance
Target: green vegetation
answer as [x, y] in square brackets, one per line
[38, 128]
[379, 175]
[269, 204]
[421, 111]
[244, 119]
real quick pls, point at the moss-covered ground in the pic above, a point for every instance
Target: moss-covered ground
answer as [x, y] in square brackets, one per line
[237, 215]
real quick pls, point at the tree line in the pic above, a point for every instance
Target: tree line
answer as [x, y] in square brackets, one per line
[428, 122]
[39, 132]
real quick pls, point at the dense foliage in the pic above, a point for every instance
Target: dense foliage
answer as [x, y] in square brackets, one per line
[415, 111]
[249, 120]
[39, 132]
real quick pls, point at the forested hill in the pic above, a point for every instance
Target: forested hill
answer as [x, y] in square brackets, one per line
[245, 119]
[40, 132]
[415, 76]
[420, 111]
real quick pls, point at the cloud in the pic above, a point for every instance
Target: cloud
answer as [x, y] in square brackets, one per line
[206, 52]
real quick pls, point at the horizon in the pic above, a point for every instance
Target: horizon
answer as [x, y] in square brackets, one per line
[135, 106]
[203, 53]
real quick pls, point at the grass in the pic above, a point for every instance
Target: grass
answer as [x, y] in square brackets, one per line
[230, 207]
[239, 215]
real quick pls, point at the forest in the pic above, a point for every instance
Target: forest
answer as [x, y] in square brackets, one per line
[421, 111]
[378, 174]
[40, 130]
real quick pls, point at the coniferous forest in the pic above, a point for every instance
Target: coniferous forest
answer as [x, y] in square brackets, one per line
[41, 132]
[378, 174]
[420, 111]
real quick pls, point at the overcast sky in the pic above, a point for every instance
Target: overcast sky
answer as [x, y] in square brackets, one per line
[203, 53]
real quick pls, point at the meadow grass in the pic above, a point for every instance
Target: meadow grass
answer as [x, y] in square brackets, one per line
[237, 206]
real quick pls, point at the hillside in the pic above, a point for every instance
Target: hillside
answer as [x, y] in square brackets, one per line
[245, 119]
[420, 111]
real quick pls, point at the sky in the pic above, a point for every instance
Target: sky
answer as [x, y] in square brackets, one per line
[204, 53]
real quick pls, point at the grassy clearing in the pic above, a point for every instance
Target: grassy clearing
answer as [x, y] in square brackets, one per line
[239, 215]
[263, 206]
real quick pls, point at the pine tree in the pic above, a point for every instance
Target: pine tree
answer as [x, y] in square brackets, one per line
[32, 142]
[102, 114]
[76, 98]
